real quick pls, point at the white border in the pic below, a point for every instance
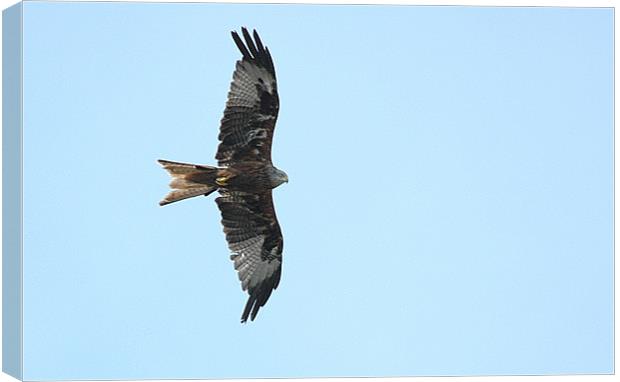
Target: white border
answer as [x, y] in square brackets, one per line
[544, 3]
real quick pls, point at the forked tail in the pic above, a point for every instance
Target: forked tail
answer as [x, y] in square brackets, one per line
[188, 180]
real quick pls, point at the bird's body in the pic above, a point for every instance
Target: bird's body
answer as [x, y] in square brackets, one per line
[253, 177]
[245, 174]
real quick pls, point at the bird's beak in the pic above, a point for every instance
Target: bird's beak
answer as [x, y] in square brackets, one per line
[286, 178]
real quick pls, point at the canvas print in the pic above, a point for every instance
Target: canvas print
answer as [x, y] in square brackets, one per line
[201, 190]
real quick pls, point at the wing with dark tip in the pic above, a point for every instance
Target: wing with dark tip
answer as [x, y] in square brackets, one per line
[255, 240]
[246, 129]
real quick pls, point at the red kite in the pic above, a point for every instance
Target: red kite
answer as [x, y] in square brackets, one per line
[245, 175]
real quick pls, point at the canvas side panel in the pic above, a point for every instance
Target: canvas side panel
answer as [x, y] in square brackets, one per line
[12, 191]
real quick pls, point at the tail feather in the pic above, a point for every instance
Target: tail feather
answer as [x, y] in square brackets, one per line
[188, 180]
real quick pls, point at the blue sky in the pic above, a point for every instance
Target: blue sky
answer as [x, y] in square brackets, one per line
[449, 210]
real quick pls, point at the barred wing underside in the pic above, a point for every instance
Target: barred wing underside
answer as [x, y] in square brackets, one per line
[255, 240]
[246, 129]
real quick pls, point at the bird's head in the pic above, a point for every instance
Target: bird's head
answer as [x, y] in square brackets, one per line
[278, 177]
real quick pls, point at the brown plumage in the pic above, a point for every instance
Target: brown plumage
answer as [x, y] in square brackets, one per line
[245, 175]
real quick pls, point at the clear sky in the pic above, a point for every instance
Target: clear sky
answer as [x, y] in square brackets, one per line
[449, 210]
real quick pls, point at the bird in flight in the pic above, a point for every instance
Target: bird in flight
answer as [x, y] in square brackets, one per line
[245, 175]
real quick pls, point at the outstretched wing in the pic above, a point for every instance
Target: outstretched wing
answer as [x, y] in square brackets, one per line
[255, 240]
[246, 130]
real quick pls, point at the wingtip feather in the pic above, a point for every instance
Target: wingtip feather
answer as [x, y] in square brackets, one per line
[241, 46]
[249, 43]
[259, 43]
[246, 311]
